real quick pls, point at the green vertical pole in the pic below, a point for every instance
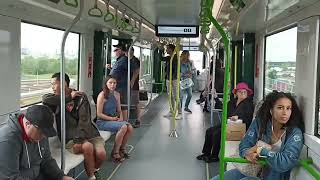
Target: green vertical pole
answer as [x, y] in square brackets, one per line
[226, 88]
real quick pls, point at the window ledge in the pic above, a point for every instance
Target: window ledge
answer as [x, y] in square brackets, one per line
[313, 143]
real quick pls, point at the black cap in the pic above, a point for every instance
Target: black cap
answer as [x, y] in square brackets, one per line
[42, 116]
[120, 46]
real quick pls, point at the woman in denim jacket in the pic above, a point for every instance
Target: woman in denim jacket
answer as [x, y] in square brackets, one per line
[279, 123]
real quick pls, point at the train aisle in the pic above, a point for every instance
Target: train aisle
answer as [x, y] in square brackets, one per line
[158, 156]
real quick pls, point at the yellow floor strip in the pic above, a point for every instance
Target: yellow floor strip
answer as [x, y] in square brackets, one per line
[116, 169]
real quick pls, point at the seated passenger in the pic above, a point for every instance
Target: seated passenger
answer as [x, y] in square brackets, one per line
[82, 135]
[24, 146]
[239, 108]
[110, 118]
[279, 123]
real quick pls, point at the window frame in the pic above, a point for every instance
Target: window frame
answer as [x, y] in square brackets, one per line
[265, 51]
[79, 55]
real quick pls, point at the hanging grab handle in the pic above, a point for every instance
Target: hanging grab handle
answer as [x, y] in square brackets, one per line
[95, 11]
[135, 29]
[108, 16]
[72, 3]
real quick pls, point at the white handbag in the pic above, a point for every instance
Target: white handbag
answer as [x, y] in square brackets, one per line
[186, 83]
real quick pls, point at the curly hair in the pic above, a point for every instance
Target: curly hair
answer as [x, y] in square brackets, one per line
[264, 115]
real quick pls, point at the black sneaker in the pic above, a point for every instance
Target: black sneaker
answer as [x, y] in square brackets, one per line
[188, 110]
[209, 159]
[201, 157]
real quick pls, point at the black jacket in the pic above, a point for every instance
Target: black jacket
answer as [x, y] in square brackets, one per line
[244, 110]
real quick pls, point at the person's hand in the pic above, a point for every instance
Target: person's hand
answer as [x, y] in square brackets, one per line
[251, 154]
[115, 119]
[75, 94]
[131, 84]
[67, 178]
[108, 66]
[234, 118]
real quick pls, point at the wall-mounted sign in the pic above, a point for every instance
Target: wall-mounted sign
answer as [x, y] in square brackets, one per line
[177, 31]
[191, 48]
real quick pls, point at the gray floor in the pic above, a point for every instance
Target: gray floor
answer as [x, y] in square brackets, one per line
[158, 156]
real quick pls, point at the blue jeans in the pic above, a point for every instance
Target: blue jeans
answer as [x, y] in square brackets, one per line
[188, 91]
[234, 174]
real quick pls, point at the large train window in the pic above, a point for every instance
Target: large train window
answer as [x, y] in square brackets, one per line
[280, 61]
[40, 58]
[145, 62]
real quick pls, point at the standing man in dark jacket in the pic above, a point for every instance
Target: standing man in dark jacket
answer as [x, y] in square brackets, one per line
[120, 72]
[24, 147]
[82, 135]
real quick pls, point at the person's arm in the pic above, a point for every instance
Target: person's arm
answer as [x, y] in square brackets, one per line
[245, 112]
[100, 103]
[286, 159]
[10, 150]
[84, 114]
[49, 166]
[53, 100]
[117, 95]
[248, 143]
[134, 77]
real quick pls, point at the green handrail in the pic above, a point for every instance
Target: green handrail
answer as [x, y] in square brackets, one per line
[72, 3]
[92, 11]
[306, 165]
[226, 41]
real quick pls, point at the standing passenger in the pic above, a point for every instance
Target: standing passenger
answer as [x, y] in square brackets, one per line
[82, 135]
[134, 84]
[110, 118]
[186, 72]
[24, 146]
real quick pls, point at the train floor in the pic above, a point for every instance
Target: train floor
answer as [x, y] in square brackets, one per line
[155, 155]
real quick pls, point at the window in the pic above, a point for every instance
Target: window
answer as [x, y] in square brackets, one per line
[280, 61]
[40, 58]
[145, 62]
[136, 51]
[196, 57]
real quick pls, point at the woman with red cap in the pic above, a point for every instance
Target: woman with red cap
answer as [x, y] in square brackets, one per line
[239, 108]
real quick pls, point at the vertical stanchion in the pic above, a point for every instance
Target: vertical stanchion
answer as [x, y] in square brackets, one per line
[129, 71]
[174, 107]
[62, 84]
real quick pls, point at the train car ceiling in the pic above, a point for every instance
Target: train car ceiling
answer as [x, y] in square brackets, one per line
[60, 15]
[256, 15]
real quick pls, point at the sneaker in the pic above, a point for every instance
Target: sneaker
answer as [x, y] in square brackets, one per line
[188, 110]
[201, 157]
[210, 159]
